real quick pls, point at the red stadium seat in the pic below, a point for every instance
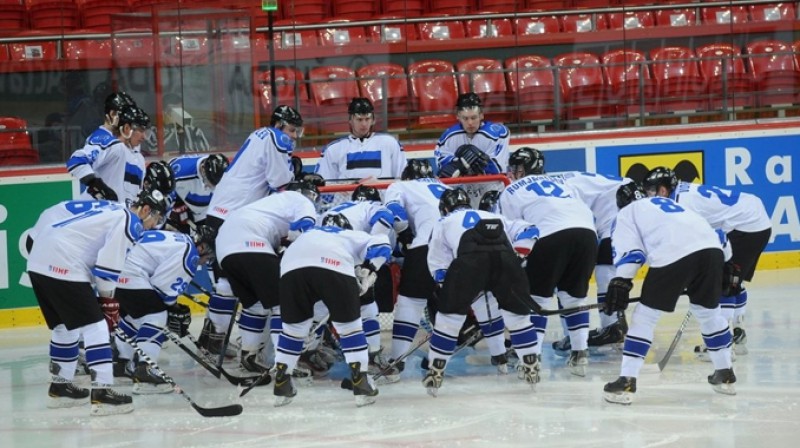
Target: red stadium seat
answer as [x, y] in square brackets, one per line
[355, 9]
[337, 34]
[433, 85]
[441, 30]
[724, 14]
[531, 78]
[291, 89]
[729, 85]
[680, 85]
[776, 76]
[54, 16]
[771, 12]
[403, 8]
[386, 85]
[331, 88]
[451, 7]
[15, 143]
[391, 32]
[482, 27]
[676, 17]
[526, 26]
[306, 10]
[485, 77]
[583, 23]
[294, 38]
[632, 86]
[96, 14]
[629, 20]
[502, 5]
[586, 95]
[13, 18]
[549, 5]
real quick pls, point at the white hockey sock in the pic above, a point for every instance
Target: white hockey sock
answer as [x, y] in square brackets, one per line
[407, 313]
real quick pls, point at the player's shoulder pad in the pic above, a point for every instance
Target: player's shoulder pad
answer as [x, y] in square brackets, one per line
[494, 130]
[449, 132]
[102, 138]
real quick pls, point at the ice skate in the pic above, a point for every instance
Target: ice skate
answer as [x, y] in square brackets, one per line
[250, 365]
[578, 360]
[315, 362]
[378, 363]
[147, 382]
[528, 369]
[562, 347]
[433, 379]
[610, 337]
[65, 394]
[284, 389]
[620, 391]
[364, 388]
[107, 401]
[722, 381]
[701, 352]
[739, 341]
[500, 362]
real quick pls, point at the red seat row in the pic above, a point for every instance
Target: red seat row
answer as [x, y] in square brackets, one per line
[576, 85]
[15, 143]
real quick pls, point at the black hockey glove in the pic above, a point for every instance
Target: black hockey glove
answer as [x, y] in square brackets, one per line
[731, 279]
[181, 217]
[179, 317]
[617, 296]
[312, 178]
[473, 159]
[98, 189]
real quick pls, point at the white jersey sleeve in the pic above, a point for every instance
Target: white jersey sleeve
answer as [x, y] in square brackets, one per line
[259, 227]
[599, 193]
[335, 249]
[367, 216]
[546, 202]
[657, 231]
[162, 261]
[189, 185]
[61, 211]
[416, 201]
[380, 155]
[261, 166]
[724, 209]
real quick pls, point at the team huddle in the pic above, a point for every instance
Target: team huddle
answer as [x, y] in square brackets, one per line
[300, 284]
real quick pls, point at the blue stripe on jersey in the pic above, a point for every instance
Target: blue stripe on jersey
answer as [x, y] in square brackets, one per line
[449, 132]
[528, 233]
[633, 257]
[439, 275]
[379, 250]
[398, 210]
[133, 174]
[363, 159]
[101, 137]
[185, 168]
[302, 224]
[133, 226]
[383, 216]
[76, 161]
[105, 273]
[283, 143]
[241, 151]
[199, 200]
[191, 258]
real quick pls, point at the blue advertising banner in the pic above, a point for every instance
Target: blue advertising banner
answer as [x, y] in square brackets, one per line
[762, 166]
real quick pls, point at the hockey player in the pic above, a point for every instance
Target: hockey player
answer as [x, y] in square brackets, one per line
[364, 153]
[195, 180]
[415, 202]
[334, 265]
[72, 258]
[110, 165]
[157, 270]
[747, 226]
[248, 247]
[684, 254]
[59, 212]
[470, 252]
[366, 213]
[261, 166]
[564, 256]
[159, 175]
[472, 146]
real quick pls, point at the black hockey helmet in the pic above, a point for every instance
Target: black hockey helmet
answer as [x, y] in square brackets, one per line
[203, 237]
[307, 189]
[154, 199]
[116, 101]
[366, 193]
[628, 193]
[417, 169]
[159, 175]
[283, 115]
[468, 101]
[360, 106]
[336, 220]
[213, 167]
[133, 116]
[489, 201]
[660, 176]
[530, 159]
[452, 200]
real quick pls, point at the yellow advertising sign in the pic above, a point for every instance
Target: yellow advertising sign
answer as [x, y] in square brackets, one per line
[688, 166]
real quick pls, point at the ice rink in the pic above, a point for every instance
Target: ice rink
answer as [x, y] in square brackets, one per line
[475, 407]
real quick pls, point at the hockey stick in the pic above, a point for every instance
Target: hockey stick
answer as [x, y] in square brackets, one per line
[674, 344]
[195, 300]
[543, 312]
[200, 288]
[347, 383]
[224, 411]
[474, 338]
[217, 372]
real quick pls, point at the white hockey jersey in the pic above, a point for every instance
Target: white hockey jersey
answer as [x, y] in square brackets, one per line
[657, 231]
[162, 261]
[88, 245]
[105, 156]
[380, 155]
[62, 211]
[189, 185]
[447, 232]
[491, 138]
[599, 193]
[417, 202]
[261, 166]
[259, 226]
[546, 202]
[335, 249]
[367, 216]
[723, 209]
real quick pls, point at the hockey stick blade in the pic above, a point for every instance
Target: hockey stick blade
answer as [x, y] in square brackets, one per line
[224, 411]
[214, 370]
[262, 380]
